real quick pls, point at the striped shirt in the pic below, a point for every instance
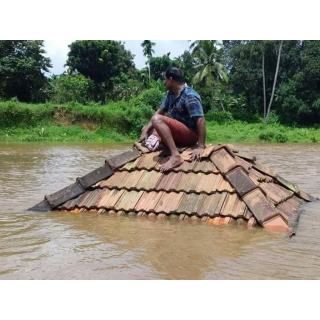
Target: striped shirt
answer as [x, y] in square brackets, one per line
[184, 107]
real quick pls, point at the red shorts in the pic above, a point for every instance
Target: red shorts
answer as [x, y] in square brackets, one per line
[181, 134]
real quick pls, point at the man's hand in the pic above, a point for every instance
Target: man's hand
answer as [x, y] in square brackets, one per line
[196, 153]
[144, 134]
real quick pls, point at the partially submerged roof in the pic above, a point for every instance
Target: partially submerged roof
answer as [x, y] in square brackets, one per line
[226, 186]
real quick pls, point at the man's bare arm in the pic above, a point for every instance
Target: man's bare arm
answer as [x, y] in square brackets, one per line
[146, 130]
[201, 126]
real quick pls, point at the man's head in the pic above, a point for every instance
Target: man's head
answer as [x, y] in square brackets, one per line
[173, 78]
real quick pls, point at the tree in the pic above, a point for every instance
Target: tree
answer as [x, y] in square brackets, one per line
[274, 82]
[103, 61]
[209, 70]
[158, 65]
[22, 68]
[147, 46]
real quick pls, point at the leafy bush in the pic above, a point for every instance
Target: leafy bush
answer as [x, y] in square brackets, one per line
[151, 97]
[219, 116]
[67, 88]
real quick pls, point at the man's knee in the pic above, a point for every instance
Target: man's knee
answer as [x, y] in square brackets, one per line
[157, 119]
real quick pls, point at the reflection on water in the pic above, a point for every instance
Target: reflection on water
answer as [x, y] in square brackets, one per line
[86, 246]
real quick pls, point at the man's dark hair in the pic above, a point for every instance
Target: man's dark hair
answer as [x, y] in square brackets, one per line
[176, 74]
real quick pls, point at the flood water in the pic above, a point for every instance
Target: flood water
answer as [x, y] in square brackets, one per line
[57, 245]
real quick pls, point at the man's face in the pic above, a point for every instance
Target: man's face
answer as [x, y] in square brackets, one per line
[168, 82]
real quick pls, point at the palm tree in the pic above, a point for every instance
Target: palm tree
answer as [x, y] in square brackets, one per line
[209, 70]
[147, 52]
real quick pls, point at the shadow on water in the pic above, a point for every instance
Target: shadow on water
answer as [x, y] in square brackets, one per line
[88, 246]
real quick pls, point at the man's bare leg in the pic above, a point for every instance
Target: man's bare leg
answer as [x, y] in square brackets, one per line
[158, 122]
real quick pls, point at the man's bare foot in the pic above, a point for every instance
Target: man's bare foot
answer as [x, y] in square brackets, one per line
[174, 161]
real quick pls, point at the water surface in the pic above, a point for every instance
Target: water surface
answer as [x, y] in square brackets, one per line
[86, 246]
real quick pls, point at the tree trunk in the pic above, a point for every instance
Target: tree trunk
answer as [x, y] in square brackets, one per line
[264, 89]
[149, 71]
[274, 82]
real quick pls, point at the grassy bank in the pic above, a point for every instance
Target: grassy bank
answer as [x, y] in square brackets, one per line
[121, 122]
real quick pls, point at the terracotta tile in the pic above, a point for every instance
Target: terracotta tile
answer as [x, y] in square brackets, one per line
[148, 180]
[92, 201]
[209, 220]
[224, 185]
[112, 213]
[102, 211]
[188, 182]
[240, 222]
[132, 214]
[84, 200]
[264, 169]
[246, 155]
[212, 204]
[130, 166]
[207, 151]
[261, 208]
[72, 203]
[173, 216]
[152, 215]
[190, 203]
[186, 155]
[182, 216]
[141, 214]
[168, 181]
[252, 222]
[277, 224]
[233, 206]
[185, 167]
[276, 192]
[148, 201]
[195, 218]
[240, 180]
[305, 196]
[247, 213]
[169, 202]
[223, 160]
[128, 200]
[241, 162]
[120, 213]
[162, 216]
[123, 158]
[256, 177]
[109, 198]
[289, 207]
[204, 219]
[115, 180]
[209, 183]
[141, 148]
[148, 161]
[161, 162]
[130, 181]
[205, 166]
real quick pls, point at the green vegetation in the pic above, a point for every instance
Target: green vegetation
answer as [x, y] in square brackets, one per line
[252, 91]
[121, 122]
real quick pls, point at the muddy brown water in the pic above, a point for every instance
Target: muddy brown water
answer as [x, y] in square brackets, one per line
[85, 246]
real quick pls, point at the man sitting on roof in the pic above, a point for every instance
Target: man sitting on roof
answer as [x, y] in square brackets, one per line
[184, 125]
